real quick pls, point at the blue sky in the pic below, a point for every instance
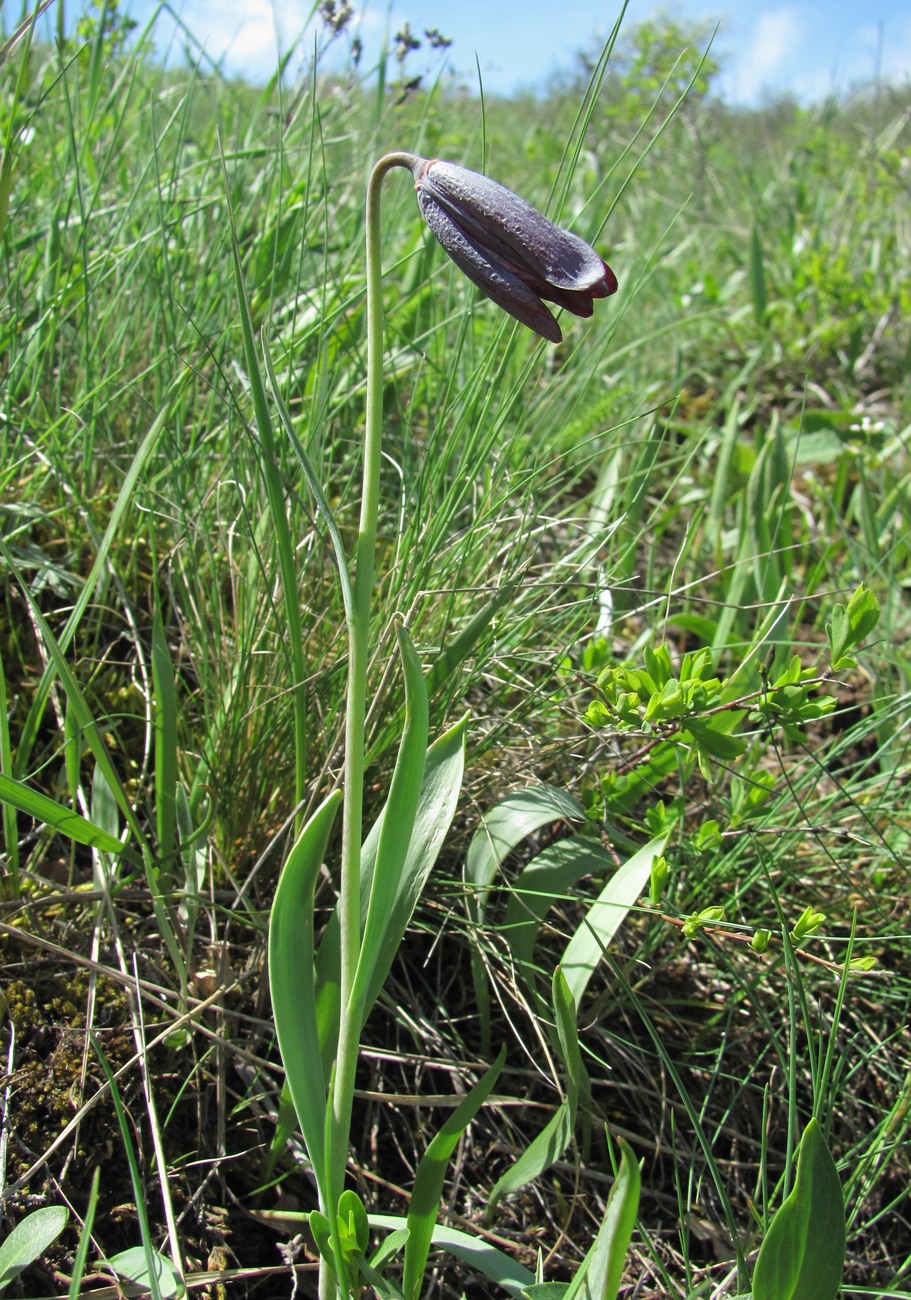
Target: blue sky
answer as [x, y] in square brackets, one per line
[807, 48]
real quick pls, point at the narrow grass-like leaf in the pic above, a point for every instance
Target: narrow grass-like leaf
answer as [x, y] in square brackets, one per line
[607, 913]
[399, 816]
[294, 640]
[63, 820]
[454, 654]
[165, 724]
[139, 1192]
[10, 825]
[292, 982]
[556, 1136]
[601, 1271]
[29, 1239]
[94, 580]
[442, 781]
[803, 1254]
[85, 1239]
[477, 1253]
[431, 1174]
[76, 699]
[757, 279]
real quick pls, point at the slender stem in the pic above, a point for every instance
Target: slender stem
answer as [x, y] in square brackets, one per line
[342, 1086]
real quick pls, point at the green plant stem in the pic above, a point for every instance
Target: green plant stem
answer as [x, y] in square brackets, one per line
[342, 1086]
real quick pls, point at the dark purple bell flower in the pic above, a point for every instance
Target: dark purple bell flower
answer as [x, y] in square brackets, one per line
[507, 248]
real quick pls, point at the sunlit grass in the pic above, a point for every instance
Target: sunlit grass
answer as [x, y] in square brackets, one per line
[724, 447]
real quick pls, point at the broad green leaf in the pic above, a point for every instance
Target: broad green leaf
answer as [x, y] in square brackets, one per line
[605, 916]
[601, 1271]
[546, 880]
[322, 1235]
[352, 1213]
[518, 815]
[546, 1291]
[443, 768]
[803, 1254]
[63, 820]
[292, 979]
[478, 1254]
[556, 1136]
[511, 821]
[133, 1264]
[431, 1174]
[29, 1239]
[399, 816]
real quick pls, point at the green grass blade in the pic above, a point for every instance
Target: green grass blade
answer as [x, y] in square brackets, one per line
[85, 1239]
[277, 508]
[291, 951]
[431, 1174]
[556, 1136]
[803, 1254]
[139, 1191]
[62, 820]
[757, 279]
[165, 711]
[94, 580]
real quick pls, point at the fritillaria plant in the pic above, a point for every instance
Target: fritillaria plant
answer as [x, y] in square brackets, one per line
[321, 999]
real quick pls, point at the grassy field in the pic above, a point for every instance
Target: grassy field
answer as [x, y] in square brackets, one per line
[664, 568]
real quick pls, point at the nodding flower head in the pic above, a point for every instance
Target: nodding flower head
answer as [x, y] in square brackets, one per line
[507, 248]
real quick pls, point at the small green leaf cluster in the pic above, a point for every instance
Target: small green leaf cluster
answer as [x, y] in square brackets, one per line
[790, 701]
[850, 624]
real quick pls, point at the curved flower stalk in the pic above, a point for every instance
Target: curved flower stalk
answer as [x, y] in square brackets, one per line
[321, 999]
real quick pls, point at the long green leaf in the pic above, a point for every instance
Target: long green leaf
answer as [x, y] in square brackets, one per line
[803, 1254]
[275, 492]
[518, 815]
[431, 1174]
[544, 882]
[511, 821]
[601, 1271]
[478, 1254]
[291, 952]
[63, 820]
[556, 1136]
[443, 768]
[399, 817]
[605, 916]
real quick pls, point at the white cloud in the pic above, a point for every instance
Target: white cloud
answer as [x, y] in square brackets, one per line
[774, 39]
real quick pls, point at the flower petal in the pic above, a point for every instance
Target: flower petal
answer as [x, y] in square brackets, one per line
[491, 276]
[491, 212]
